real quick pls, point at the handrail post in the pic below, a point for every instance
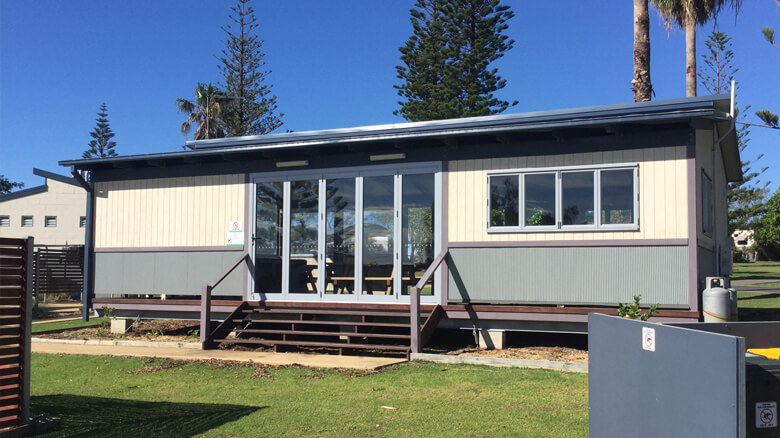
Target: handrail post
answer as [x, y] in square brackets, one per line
[205, 314]
[414, 298]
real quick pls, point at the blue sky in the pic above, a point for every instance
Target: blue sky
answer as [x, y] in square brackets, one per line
[333, 66]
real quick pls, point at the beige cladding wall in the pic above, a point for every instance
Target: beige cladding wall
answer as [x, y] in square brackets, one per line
[663, 210]
[68, 203]
[168, 212]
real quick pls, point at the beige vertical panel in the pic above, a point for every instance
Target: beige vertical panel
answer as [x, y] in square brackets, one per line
[169, 212]
[662, 190]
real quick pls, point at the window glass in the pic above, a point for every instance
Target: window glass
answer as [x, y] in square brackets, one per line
[27, 221]
[304, 232]
[706, 204]
[577, 198]
[269, 225]
[340, 236]
[617, 196]
[539, 198]
[50, 221]
[378, 228]
[5, 221]
[504, 211]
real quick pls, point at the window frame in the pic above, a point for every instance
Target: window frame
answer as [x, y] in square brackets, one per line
[559, 227]
[7, 221]
[32, 222]
[82, 221]
[46, 220]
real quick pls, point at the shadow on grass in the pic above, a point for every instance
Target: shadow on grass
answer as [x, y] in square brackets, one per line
[758, 314]
[763, 296]
[95, 416]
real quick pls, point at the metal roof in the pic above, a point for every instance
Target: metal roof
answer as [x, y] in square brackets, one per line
[715, 107]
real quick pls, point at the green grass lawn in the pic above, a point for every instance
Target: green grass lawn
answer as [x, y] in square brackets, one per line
[103, 396]
[757, 270]
[46, 326]
[758, 306]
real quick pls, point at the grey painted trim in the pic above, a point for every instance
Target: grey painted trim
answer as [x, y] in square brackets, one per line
[693, 263]
[89, 255]
[555, 317]
[445, 230]
[573, 367]
[248, 233]
[56, 177]
[22, 193]
[173, 248]
[675, 109]
[571, 243]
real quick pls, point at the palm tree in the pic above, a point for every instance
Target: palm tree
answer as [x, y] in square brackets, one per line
[687, 14]
[205, 111]
[641, 85]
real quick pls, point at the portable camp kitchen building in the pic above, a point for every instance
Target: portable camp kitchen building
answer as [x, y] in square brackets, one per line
[526, 221]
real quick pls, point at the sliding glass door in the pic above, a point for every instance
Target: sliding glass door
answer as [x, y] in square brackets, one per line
[345, 235]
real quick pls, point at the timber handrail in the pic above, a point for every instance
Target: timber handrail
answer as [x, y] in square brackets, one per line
[205, 298]
[414, 299]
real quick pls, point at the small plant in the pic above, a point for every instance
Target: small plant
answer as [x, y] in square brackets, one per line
[108, 315]
[99, 333]
[193, 334]
[633, 311]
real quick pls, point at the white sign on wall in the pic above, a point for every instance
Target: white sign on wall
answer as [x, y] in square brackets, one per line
[766, 415]
[648, 338]
[235, 234]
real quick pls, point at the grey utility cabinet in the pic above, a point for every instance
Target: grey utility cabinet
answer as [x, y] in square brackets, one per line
[681, 380]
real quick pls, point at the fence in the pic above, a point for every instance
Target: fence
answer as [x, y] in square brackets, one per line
[15, 318]
[58, 270]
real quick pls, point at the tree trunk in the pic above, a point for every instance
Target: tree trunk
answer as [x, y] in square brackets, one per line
[690, 59]
[641, 85]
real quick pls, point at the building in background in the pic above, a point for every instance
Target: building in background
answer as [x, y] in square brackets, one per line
[54, 213]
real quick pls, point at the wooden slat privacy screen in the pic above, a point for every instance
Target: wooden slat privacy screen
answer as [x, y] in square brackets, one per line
[58, 270]
[15, 315]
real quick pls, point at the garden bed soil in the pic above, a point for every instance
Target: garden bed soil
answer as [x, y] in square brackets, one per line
[158, 330]
[184, 331]
[557, 354]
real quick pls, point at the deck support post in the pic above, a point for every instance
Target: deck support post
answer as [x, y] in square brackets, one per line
[414, 311]
[205, 315]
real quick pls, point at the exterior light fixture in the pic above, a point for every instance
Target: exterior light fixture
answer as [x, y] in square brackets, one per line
[298, 163]
[386, 157]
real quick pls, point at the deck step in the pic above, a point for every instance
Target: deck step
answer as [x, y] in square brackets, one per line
[271, 343]
[321, 333]
[391, 314]
[330, 326]
[317, 322]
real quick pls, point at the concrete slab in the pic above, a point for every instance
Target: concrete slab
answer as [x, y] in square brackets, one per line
[189, 354]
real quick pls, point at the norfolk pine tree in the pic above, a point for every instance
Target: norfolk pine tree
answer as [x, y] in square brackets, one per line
[101, 144]
[252, 110]
[746, 197]
[446, 62]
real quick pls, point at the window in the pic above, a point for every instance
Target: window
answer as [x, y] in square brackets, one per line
[706, 204]
[50, 221]
[565, 199]
[5, 221]
[82, 221]
[27, 221]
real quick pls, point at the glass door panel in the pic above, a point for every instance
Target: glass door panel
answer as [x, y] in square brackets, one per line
[304, 237]
[417, 233]
[378, 228]
[269, 220]
[340, 236]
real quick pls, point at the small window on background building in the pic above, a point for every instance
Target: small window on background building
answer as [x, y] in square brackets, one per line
[5, 221]
[50, 222]
[27, 221]
[82, 221]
